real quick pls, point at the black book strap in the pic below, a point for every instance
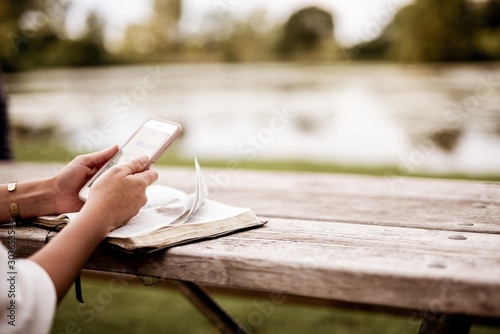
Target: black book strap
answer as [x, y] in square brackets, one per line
[78, 280]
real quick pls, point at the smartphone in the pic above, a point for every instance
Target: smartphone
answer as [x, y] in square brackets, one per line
[151, 139]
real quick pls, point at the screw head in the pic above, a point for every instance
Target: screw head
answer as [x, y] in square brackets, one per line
[437, 265]
[457, 237]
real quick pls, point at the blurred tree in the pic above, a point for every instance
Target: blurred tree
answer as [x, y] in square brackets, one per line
[248, 39]
[164, 23]
[35, 33]
[159, 34]
[306, 30]
[138, 40]
[90, 49]
[10, 13]
[486, 18]
[433, 30]
[95, 29]
[439, 30]
[486, 14]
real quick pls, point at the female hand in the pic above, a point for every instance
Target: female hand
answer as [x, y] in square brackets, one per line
[120, 192]
[68, 182]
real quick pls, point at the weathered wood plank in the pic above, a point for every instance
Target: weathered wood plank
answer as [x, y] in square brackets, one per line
[417, 202]
[411, 202]
[322, 183]
[388, 266]
[418, 213]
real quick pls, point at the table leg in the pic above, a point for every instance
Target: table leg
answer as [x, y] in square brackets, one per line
[211, 310]
[438, 323]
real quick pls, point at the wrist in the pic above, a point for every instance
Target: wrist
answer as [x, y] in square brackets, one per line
[50, 183]
[32, 198]
[96, 219]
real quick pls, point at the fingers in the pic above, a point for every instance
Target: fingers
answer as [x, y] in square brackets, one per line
[136, 169]
[99, 157]
[136, 165]
[123, 189]
[149, 176]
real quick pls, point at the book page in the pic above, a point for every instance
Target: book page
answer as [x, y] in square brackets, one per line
[194, 200]
[174, 203]
[147, 221]
[175, 210]
[212, 210]
[161, 195]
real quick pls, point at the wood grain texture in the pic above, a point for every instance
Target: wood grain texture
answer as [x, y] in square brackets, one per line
[396, 267]
[462, 206]
[425, 244]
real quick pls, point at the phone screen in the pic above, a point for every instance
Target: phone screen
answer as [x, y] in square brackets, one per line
[146, 141]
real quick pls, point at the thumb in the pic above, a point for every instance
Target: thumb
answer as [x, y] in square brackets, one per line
[136, 165]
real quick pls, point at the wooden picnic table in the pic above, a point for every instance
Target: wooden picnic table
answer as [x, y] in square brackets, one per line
[399, 243]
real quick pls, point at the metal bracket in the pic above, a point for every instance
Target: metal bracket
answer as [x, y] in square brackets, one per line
[439, 323]
[209, 308]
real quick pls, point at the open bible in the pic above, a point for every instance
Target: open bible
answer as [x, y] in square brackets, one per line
[171, 217]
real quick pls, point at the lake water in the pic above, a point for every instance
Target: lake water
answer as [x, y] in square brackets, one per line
[442, 118]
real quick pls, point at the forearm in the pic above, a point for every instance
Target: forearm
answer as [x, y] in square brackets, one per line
[64, 256]
[116, 197]
[33, 198]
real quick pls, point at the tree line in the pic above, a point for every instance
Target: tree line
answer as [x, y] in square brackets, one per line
[438, 31]
[34, 35]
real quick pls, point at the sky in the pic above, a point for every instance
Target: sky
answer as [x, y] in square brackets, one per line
[355, 20]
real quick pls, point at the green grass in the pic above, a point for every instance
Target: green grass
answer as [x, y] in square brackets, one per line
[40, 150]
[134, 308]
[50, 149]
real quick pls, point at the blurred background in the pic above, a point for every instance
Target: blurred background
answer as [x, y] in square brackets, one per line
[380, 87]
[385, 87]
